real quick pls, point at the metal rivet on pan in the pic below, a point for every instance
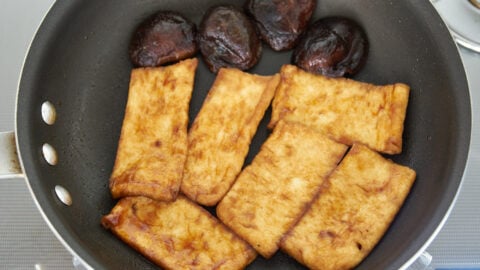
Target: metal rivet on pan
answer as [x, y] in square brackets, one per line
[49, 114]
[63, 195]
[49, 154]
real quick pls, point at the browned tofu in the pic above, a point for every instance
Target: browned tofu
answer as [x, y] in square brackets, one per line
[351, 213]
[272, 193]
[153, 142]
[347, 111]
[220, 136]
[177, 235]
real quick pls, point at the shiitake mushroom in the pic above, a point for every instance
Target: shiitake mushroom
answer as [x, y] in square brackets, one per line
[333, 46]
[227, 38]
[165, 37]
[280, 22]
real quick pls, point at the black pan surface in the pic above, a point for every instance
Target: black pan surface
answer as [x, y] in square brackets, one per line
[78, 61]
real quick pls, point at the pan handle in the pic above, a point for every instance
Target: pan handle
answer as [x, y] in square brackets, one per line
[9, 162]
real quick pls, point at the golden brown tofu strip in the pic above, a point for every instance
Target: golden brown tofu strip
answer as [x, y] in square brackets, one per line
[347, 111]
[177, 235]
[153, 143]
[272, 193]
[220, 136]
[351, 213]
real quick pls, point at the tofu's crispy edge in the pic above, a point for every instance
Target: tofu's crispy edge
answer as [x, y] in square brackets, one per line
[281, 94]
[212, 196]
[287, 246]
[397, 114]
[111, 220]
[121, 188]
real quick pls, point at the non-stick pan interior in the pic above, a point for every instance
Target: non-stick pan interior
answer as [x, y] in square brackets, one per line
[78, 61]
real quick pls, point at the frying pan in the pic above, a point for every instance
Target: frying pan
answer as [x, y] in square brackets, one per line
[78, 62]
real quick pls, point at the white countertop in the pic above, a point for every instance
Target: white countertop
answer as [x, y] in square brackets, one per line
[27, 243]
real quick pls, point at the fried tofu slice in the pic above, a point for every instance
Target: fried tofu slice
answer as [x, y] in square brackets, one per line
[220, 136]
[177, 235]
[152, 149]
[351, 213]
[272, 193]
[347, 111]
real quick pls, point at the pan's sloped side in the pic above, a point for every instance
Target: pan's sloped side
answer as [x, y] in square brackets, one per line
[78, 61]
